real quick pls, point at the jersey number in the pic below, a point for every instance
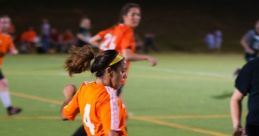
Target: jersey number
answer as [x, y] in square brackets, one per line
[108, 43]
[87, 120]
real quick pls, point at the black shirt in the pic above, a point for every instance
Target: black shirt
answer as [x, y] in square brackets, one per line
[86, 34]
[247, 82]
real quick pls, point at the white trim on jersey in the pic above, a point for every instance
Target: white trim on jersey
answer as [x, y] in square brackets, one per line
[115, 120]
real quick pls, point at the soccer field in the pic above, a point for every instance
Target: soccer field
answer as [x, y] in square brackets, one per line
[185, 95]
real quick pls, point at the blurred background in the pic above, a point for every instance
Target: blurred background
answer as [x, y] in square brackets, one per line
[178, 25]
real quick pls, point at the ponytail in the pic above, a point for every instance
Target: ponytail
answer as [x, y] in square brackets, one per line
[79, 60]
[82, 59]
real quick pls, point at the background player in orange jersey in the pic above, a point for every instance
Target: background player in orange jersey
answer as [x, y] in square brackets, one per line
[121, 36]
[101, 110]
[6, 46]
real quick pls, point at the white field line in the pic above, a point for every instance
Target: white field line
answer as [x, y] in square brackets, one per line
[197, 73]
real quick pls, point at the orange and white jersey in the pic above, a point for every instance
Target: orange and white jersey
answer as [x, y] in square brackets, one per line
[117, 38]
[6, 44]
[100, 109]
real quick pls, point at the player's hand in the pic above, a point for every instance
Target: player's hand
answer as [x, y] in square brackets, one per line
[239, 132]
[250, 51]
[13, 52]
[69, 91]
[152, 61]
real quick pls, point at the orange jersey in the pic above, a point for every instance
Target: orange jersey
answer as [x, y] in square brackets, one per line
[118, 38]
[100, 109]
[6, 44]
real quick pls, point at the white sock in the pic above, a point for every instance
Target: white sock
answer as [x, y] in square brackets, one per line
[5, 98]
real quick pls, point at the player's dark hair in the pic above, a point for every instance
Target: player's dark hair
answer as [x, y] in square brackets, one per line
[125, 9]
[80, 60]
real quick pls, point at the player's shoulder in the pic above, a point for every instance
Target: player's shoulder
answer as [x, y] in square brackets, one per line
[6, 36]
[123, 27]
[251, 32]
[107, 94]
[254, 62]
[90, 85]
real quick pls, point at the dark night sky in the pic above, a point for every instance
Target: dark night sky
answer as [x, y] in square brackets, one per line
[176, 19]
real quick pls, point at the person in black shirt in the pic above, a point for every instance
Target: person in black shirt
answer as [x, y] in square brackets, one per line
[247, 83]
[84, 34]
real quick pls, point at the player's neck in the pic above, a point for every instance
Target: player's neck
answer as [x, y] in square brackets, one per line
[102, 81]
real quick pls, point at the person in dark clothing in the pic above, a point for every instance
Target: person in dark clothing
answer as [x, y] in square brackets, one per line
[250, 43]
[149, 42]
[247, 83]
[84, 34]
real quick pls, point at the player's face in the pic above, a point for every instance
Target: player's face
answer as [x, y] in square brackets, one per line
[5, 24]
[133, 17]
[86, 23]
[118, 76]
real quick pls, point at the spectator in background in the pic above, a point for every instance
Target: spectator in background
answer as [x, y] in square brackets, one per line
[149, 42]
[45, 36]
[67, 40]
[28, 40]
[218, 39]
[54, 41]
[139, 43]
[213, 40]
[45, 27]
[210, 41]
[84, 35]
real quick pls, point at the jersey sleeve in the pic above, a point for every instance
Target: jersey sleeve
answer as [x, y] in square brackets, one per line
[109, 113]
[128, 40]
[243, 81]
[72, 108]
[102, 34]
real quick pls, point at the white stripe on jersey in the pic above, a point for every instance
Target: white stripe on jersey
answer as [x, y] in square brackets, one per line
[115, 120]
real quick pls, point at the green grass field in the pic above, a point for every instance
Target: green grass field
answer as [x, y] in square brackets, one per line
[185, 95]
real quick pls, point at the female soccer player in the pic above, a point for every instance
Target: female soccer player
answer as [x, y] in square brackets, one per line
[102, 112]
[121, 36]
[6, 46]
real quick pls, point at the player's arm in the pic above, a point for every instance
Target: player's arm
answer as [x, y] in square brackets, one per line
[69, 108]
[245, 44]
[236, 111]
[12, 49]
[243, 87]
[81, 37]
[95, 40]
[130, 56]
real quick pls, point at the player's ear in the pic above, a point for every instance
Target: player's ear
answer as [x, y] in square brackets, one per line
[109, 71]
